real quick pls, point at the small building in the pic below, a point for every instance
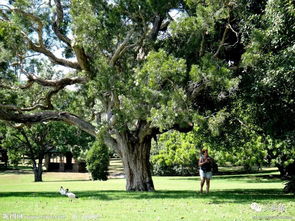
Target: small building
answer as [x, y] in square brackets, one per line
[56, 161]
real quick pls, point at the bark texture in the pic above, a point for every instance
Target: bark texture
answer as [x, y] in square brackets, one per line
[38, 172]
[135, 157]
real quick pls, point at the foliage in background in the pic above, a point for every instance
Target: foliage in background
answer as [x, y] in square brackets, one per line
[39, 139]
[175, 153]
[267, 93]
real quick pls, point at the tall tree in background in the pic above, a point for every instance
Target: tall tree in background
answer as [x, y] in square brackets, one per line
[37, 140]
[143, 68]
[29, 142]
[267, 95]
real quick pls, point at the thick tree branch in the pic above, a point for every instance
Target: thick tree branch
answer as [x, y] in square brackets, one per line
[56, 83]
[3, 16]
[143, 130]
[156, 27]
[11, 107]
[201, 51]
[120, 50]
[56, 26]
[112, 143]
[11, 114]
[165, 25]
[81, 57]
[52, 57]
[47, 83]
[152, 34]
[183, 127]
[79, 51]
[194, 88]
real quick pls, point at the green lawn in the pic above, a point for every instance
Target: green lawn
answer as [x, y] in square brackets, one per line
[176, 198]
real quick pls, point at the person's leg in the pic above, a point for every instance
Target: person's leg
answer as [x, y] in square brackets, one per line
[202, 176]
[202, 183]
[207, 185]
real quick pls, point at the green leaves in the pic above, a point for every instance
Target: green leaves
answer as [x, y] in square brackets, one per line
[98, 160]
[37, 139]
[175, 154]
[160, 81]
[161, 71]
[215, 123]
[269, 59]
[12, 42]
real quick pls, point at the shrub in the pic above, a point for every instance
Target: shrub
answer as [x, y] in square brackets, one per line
[174, 170]
[174, 155]
[97, 160]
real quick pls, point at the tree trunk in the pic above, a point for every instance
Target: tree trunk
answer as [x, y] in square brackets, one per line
[135, 156]
[291, 169]
[282, 170]
[38, 172]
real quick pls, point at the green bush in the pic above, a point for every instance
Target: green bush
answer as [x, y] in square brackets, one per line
[174, 170]
[97, 160]
[177, 154]
[174, 154]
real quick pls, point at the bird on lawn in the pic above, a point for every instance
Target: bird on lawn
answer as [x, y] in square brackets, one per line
[62, 191]
[70, 194]
[256, 207]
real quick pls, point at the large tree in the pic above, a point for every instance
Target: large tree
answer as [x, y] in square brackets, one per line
[143, 66]
[267, 94]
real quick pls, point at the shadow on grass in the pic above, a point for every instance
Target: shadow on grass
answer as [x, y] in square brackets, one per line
[64, 181]
[249, 178]
[224, 196]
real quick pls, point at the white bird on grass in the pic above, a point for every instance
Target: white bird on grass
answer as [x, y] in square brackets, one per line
[62, 191]
[70, 195]
[256, 207]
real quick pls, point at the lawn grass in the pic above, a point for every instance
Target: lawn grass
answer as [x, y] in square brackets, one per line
[176, 198]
